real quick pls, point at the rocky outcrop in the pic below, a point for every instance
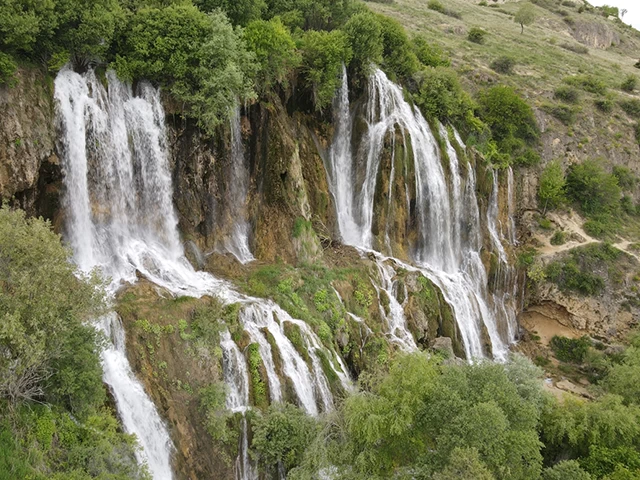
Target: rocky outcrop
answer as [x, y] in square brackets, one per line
[595, 34]
[29, 166]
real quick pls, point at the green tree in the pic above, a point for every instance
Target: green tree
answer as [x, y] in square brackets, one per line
[323, 54]
[440, 95]
[464, 463]
[240, 12]
[281, 435]
[399, 58]
[275, 52]
[429, 54]
[197, 57]
[551, 191]
[624, 378]
[365, 37]
[525, 15]
[567, 470]
[46, 350]
[595, 190]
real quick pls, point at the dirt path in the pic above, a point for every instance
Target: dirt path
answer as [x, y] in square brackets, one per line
[572, 226]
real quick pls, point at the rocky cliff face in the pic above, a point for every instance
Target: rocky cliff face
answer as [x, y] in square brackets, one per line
[29, 166]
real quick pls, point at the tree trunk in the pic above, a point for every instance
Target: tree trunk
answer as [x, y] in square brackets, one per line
[521, 28]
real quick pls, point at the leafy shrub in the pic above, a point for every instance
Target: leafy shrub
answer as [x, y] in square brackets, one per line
[631, 107]
[399, 59]
[605, 104]
[323, 54]
[8, 68]
[630, 83]
[201, 60]
[565, 470]
[510, 119]
[595, 190]
[429, 54]
[571, 350]
[365, 37]
[565, 113]
[477, 35]
[636, 132]
[567, 93]
[575, 48]
[436, 5]
[559, 238]
[626, 178]
[587, 83]
[551, 190]
[440, 95]
[281, 436]
[275, 52]
[503, 65]
[569, 277]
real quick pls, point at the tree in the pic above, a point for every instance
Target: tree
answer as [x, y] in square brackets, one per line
[567, 470]
[464, 463]
[399, 58]
[240, 12]
[595, 190]
[551, 191]
[365, 37]
[275, 51]
[525, 15]
[46, 350]
[197, 57]
[323, 54]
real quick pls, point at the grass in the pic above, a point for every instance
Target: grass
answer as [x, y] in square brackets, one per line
[543, 56]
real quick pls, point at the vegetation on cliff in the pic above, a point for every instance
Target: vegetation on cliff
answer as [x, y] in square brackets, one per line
[55, 418]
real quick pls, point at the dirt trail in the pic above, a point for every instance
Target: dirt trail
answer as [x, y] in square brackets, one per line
[571, 224]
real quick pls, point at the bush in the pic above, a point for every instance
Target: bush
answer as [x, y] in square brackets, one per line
[566, 93]
[565, 113]
[630, 83]
[201, 60]
[605, 104]
[626, 178]
[430, 55]
[587, 83]
[510, 119]
[551, 190]
[323, 54]
[570, 349]
[503, 65]
[595, 190]
[631, 107]
[435, 5]
[365, 37]
[399, 59]
[441, 96]
[559, 238]
[275, 52]
[8, 68]
[477, 35]
[575, 48]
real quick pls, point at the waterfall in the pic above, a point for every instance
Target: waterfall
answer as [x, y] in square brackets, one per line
[121, 221]
[137, 411]
[237, 243]
[448, 243]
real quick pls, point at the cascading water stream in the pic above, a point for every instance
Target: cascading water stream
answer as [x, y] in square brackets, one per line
[237, 243]
[121, 221]
[448, 244]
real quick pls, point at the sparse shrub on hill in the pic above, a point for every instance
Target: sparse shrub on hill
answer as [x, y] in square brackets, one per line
[430, 54]
[595, 190]
[631, 107]
[503, 65]
[587, 83]
[477, 35]
[629, 84]
[567, 93]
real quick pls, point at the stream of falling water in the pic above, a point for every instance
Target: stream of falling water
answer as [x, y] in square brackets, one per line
[237, 243]
[447, 250]
[121, 221]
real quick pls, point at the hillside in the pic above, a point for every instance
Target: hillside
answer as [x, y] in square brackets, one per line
[313, 239]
